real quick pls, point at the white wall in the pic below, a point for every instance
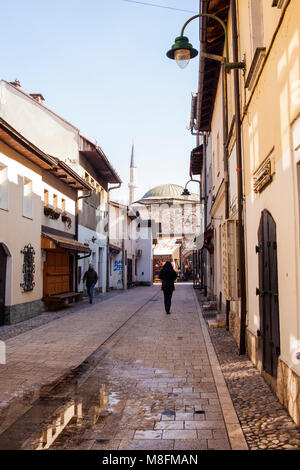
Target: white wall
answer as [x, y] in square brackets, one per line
[85, 235]
[116, 267]
[281, 206]
[40, 126]
[145, 262]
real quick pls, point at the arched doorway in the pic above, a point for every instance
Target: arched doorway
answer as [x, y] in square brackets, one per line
[3, 263]
[268, 293]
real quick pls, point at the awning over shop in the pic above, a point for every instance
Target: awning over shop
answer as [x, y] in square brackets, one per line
[167, 247]
[50, 241]
[114, 249]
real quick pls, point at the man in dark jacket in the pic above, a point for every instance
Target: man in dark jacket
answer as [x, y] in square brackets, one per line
[168, 276]
[91, 278]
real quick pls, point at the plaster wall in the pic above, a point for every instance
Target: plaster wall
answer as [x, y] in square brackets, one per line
[16, 231]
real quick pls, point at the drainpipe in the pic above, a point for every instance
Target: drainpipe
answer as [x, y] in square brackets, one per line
[205, 206]
[107, 250]
[242, 345]
[203, 8]
[225, 159]
[84, 196]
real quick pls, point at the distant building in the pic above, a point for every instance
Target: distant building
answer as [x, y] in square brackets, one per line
[131, 243]
[60, 139]
[37, 192]
[177, 220]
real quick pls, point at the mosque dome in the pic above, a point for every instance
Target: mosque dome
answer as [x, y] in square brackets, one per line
[168, 191]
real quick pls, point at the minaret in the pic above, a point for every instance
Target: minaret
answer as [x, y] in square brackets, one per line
[132, 185]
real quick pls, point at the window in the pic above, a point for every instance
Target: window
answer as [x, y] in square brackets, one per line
[63, 206]
[279, 3]
[218, 153]
[298, 184]
[256, 24]
[55, 202]
[102, 199]
[46, 197]
[27, 198]
[3, 187]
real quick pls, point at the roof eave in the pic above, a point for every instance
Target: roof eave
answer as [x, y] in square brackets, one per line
[111, 175]
[214, 45]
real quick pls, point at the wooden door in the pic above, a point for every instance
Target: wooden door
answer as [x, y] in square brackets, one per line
[71, 272]
[100, 265]
[129, 272]
[268, 293]
[3, 262]
[56, 273]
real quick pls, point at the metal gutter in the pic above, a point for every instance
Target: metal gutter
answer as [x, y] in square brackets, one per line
[242, 345]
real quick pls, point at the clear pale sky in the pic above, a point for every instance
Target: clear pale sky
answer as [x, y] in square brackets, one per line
[102, 65]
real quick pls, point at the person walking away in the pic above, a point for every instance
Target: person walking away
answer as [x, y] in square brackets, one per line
[91, 277]
[168, 276]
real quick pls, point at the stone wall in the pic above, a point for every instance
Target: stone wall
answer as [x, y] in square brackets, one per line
[21, 312]
[287, 385]
[252, 347]
[234, 326]
[288, 390]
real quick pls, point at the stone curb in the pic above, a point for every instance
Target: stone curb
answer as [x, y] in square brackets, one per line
[234, 430]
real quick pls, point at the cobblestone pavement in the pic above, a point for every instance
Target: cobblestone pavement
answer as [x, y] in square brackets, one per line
[265, 422]
[10, 331]
[46, 353]
[158, 388]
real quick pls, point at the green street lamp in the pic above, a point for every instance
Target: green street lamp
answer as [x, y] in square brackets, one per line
[182, 51]
[185, 192]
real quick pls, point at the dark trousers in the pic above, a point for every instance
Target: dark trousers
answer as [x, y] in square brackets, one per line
[168, 299]
[90, 292]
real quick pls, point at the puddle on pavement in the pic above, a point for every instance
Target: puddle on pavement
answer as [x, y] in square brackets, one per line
[103, 396]
[82, 408]
[51, 416]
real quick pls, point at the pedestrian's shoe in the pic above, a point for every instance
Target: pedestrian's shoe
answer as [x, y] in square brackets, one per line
[91, 301]
[168, 312]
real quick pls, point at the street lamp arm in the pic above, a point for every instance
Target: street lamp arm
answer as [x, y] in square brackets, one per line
[194, 181]
[209, 15]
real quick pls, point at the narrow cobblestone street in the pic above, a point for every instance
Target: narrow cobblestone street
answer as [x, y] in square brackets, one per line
[158, 384]
[123, 375]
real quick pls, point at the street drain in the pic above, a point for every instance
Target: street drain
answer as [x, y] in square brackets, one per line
[101, 441]
[199, 412]
[179, 337]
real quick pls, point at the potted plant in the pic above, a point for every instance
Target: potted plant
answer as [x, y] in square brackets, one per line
[51, 213]
[66, 220]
